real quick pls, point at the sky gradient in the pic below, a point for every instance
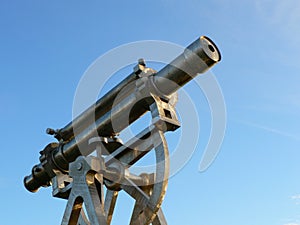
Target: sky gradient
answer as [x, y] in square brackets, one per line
[47, 46]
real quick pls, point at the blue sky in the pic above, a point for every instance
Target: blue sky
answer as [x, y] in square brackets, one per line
[46, 47]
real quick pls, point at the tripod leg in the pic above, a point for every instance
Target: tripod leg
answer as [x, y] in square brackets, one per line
[86, 189]
[160, 218]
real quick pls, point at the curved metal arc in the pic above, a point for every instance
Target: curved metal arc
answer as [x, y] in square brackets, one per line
[148, 204]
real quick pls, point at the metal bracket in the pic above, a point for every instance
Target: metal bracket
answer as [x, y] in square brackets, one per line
[87, 189]
[88, 175]
[164, 114]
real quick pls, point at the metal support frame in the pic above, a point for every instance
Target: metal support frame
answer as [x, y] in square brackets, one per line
[88, 175]
[87, 189]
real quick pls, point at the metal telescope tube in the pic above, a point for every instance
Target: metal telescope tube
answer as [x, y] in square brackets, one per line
[171, 72]
[94, 112]
[197, 58]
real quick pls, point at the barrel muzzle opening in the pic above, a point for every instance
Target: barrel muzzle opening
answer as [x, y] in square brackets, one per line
[210, 48]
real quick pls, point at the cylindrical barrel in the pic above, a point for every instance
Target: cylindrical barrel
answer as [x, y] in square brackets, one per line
[102, 106]
[196, 58]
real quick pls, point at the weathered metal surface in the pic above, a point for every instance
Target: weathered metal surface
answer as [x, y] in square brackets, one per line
[86, 189]
[64, 165]
[201, 55]
[197, 58]
[148, 191]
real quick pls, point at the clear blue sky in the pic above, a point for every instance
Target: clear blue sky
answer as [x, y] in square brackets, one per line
[45, 47]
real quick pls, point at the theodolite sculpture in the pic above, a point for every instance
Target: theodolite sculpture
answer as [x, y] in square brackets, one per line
[76, 175]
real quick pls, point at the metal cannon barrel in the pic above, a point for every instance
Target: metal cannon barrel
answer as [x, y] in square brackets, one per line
[106, 117]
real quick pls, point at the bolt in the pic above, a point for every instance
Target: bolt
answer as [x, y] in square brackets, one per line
[142, 62]
[79, 166]
[50, 131]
